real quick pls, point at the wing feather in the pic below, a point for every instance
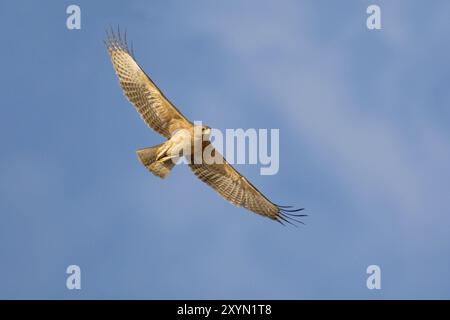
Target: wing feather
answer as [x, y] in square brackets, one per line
[154, 108]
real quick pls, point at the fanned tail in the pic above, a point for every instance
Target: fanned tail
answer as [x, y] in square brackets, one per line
[147, 157]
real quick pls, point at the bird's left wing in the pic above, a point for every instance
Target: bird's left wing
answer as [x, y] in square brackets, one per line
[235, 188]
[154, 108]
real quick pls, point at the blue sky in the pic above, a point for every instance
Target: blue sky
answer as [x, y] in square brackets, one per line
[364, 126]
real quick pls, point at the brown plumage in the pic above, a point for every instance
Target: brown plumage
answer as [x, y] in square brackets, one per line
[162, 116]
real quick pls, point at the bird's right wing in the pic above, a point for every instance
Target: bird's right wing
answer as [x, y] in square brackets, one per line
[155, 109]
[235, 188]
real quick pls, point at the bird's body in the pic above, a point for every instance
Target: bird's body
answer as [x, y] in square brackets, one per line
[184, 139]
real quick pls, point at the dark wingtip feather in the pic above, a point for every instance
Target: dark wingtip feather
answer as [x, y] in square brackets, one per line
[132, 50]
[280, 206]
[115, 41]
[288, 216]
[281, 218]
[292, 210]
[279, 221]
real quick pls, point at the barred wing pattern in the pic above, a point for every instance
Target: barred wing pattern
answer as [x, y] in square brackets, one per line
[153, 107]
[235, 188]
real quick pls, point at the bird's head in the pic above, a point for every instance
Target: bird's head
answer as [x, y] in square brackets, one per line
[206, 131]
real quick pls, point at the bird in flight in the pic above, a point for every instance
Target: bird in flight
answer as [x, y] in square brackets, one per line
[162, 116]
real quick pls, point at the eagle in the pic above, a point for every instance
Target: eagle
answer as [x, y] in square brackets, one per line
[163, 117]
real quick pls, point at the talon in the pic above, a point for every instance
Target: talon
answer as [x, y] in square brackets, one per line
[162, 152]
[164, 159]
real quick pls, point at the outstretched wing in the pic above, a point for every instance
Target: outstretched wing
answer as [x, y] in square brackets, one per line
[155, 109]
[235, 188]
